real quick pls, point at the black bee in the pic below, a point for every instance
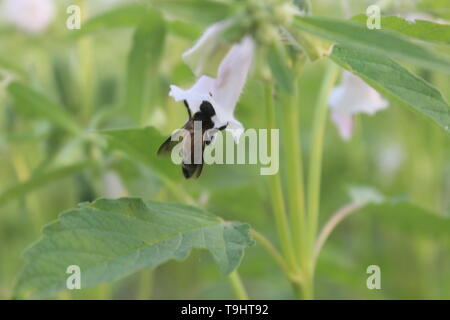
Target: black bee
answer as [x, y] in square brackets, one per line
[190, 165]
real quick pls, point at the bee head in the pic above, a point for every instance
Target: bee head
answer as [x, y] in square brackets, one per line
[207, 109]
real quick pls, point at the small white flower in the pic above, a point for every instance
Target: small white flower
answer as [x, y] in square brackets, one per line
[113, 186]
[351, 97]
[31, 16]
[390, 158]
[222, 92]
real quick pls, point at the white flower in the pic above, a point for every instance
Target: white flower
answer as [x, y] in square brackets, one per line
[205, 55]
[31, 16]
[222, 92]
[113, 186]
[351, 97]
[390, 158]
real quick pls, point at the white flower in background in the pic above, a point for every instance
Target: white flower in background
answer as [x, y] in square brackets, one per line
[112, 186]
[353, 96]
[31, 16]
[223, 91]
[390, 158]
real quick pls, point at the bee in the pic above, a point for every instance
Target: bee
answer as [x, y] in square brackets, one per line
[193, 134]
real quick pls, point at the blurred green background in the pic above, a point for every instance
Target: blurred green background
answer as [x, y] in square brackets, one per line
[47, 168]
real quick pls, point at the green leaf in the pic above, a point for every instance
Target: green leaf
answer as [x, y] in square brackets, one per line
[411, 220]
[391, 78]
[303, 5]
[362, 195]
[12, 66]
[39, 180]
[379, 42]
[109, 239]
[186, 30]
[195, 11]
[32, 101]
[120, 17]
[143, 62]
[142, 145]
[421, 29]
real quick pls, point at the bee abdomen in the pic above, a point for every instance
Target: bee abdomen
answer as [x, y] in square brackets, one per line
[190, 169]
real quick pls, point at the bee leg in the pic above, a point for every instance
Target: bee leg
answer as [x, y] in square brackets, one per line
[187, 108]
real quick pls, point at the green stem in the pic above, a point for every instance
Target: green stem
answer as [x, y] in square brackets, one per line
[277, 257]
[145, 285]
[104, 291]
[87, 68]
[315, 162]
[276, 192]
[294, 167]
[237, 286]
[335, 219]
[314, 176]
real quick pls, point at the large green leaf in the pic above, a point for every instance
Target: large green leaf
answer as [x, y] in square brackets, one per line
[420, 29]
[195, 11]
[142, 145]
[392, 78]
[34, 102]
[143, 62]
[380, 42]
[39, 180]
[109, 239]
[411, 220]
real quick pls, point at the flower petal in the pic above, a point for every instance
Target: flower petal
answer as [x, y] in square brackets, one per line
[235, 128]
[200, 91]
[32, 16]
[344, 124]
[232, 75]
[353, 96]
[208, 51]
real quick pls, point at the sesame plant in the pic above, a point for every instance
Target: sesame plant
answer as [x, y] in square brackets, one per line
[92, 92]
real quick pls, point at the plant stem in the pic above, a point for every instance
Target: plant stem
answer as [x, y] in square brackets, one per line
[104, 291]
[315, 161]
[335, 219]
[238, 286]
[87, 68]
[268, 246]
[294, 167]
[276, 191]
[145, 285]
[314, 176]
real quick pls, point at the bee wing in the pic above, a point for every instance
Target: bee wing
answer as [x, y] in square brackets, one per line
[194, 170]
[167, 146]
